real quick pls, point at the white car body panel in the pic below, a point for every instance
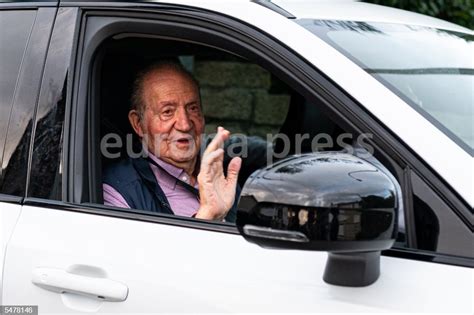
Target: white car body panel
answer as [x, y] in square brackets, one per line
[176, 269]
[449, 160]
[9, 214]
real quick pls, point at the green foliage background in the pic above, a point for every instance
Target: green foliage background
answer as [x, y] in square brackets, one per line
[457, 11]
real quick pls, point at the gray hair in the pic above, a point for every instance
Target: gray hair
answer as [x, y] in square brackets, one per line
[137, 99]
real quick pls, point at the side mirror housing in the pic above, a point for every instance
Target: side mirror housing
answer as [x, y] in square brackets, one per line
[330, 201]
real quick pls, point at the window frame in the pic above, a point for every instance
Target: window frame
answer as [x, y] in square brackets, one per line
[89, 188]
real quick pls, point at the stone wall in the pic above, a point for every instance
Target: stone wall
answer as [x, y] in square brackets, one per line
[241, 97]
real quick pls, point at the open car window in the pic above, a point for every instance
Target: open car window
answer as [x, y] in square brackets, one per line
[268, 120]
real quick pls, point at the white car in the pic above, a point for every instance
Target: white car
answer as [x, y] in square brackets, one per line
[400, 82]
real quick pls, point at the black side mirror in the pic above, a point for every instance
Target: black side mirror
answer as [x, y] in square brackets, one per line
[330, 201]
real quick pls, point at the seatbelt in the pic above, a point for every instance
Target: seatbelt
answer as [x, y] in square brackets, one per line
[185, 185]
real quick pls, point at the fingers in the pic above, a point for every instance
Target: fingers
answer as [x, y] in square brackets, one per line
[213, 156]
[217, 192]
[218, 141]
[212, 161]
[233, 170]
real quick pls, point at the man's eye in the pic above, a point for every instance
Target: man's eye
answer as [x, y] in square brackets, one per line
[194, 109]
[167, 112]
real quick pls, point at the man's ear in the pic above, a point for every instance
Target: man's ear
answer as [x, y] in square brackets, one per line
[135, 120]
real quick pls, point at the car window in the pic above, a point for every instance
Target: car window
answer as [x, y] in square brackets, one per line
[46, 173]
[268, 120]
[431, 69]
[237, 94]
[14, 38]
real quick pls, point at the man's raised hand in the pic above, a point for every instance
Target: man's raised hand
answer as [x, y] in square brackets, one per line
[217, 192]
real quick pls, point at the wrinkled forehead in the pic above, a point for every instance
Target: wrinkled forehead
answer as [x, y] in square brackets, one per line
[169, 78]
[169, 84]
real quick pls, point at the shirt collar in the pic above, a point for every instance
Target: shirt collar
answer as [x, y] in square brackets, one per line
[171, 169]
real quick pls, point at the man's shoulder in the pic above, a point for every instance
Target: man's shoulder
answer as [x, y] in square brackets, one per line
[121, 171]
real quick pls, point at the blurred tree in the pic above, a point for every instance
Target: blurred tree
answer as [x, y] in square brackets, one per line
[457, 11]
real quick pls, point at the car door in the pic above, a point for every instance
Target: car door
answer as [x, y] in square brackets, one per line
[22, 51]
[69, 254]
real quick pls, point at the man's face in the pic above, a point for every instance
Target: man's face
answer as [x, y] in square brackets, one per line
[172, 121]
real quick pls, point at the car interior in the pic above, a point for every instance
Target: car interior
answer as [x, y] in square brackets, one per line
[123, 58]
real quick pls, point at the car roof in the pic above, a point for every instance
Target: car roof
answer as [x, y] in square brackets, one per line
[345, 10]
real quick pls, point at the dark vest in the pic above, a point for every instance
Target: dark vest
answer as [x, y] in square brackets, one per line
[135, 181]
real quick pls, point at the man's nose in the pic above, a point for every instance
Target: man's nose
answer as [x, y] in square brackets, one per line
[183, 123]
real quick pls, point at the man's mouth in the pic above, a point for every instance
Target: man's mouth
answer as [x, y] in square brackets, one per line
[183, 141]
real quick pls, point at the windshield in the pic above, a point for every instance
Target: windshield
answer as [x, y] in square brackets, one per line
[431, 69]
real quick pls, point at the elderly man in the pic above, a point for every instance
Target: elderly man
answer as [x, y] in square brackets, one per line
[167, 116]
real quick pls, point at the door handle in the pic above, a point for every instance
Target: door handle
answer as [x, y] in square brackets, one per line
[60, 281]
